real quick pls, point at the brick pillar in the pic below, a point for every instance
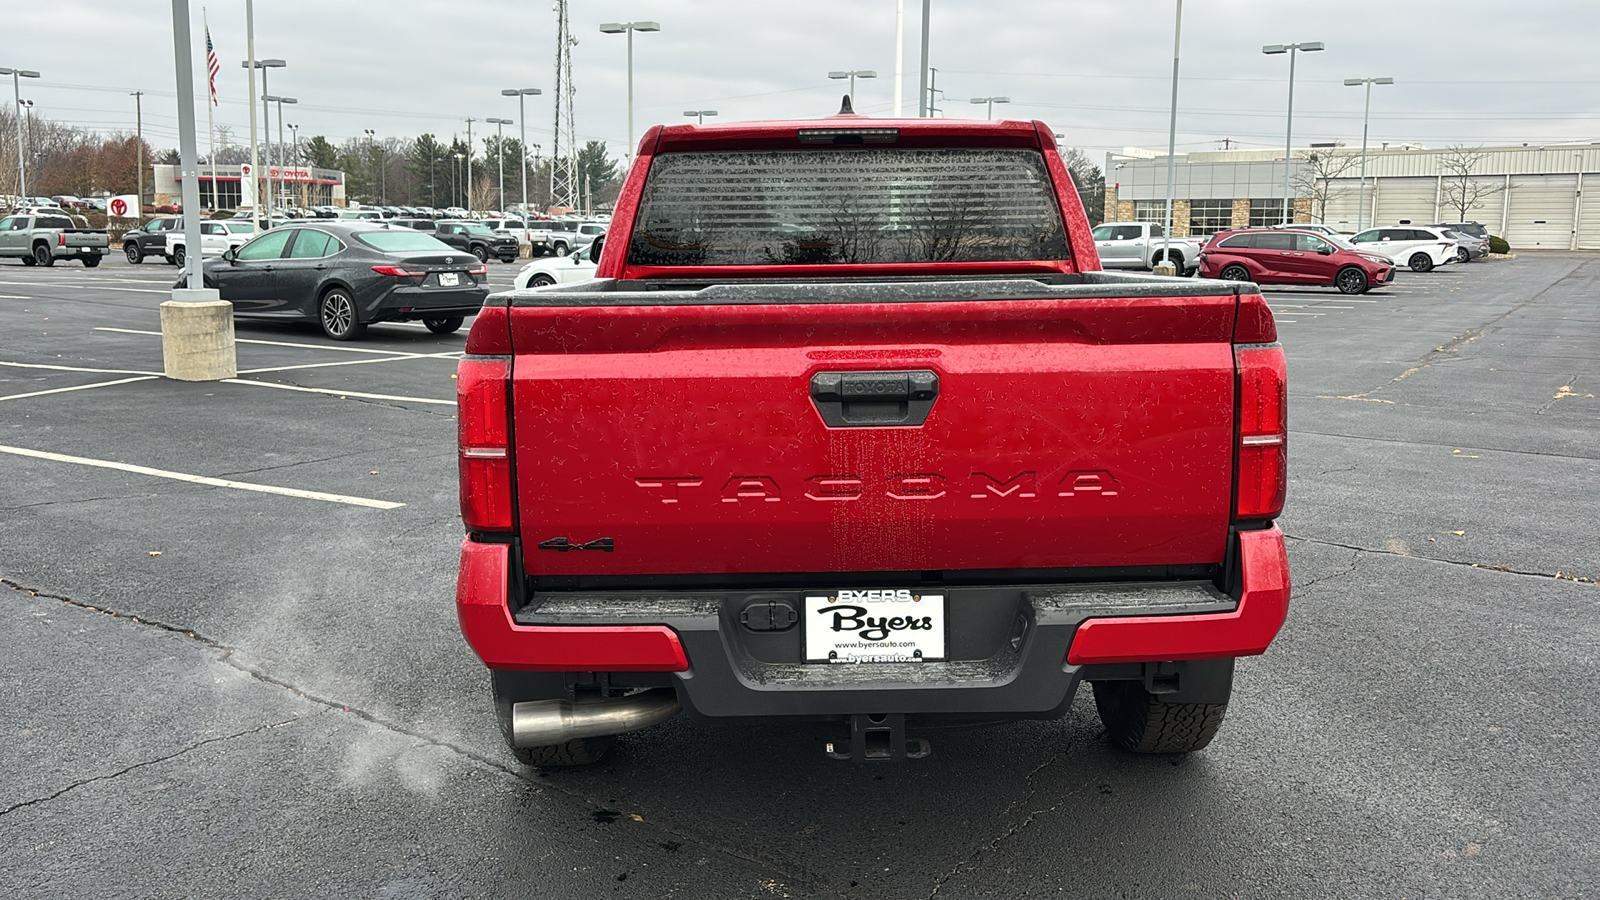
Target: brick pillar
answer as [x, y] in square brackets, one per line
[1124, 211]
[1302, 209]
[1110, 211]
[1241, 213]
[1180, 218]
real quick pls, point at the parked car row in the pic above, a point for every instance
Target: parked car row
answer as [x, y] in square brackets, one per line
[1284, 256]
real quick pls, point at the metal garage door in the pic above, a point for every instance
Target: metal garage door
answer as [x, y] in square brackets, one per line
[1405, 199]
[1589, 218]
[1540, 217]
[1341, 211]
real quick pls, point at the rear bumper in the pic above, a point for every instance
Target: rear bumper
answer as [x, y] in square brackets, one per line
[1026, 648]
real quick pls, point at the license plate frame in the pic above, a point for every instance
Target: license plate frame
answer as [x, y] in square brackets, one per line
[449, 279]
[921, 635]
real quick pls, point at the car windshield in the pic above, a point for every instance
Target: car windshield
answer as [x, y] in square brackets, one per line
[1341, 241]
[240, 227]
[476, 228]
[401, 241]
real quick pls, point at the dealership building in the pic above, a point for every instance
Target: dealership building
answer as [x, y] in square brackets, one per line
[1531, 195]
[222, 187]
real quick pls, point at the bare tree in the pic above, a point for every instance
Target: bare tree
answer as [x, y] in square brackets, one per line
[1321, 179]
[1461, 190]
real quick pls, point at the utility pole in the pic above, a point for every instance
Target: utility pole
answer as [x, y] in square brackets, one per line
[468, 182]
[138, 130]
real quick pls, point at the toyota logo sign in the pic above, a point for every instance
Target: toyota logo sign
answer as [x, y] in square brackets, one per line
[119, 207]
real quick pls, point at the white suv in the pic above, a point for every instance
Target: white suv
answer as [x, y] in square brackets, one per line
[1409, 245]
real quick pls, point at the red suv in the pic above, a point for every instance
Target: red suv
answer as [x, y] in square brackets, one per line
[1282, 256]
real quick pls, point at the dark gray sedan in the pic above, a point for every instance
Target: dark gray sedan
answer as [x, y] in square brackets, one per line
[348, 275]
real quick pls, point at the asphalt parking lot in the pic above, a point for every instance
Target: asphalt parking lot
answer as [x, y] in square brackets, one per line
[233, 668]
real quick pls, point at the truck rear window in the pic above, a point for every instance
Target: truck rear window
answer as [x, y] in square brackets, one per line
[847, 206]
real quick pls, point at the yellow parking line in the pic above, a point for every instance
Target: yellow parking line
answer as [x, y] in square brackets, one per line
[202, 479]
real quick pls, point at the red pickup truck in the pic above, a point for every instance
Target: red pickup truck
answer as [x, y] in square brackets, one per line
[851, 427]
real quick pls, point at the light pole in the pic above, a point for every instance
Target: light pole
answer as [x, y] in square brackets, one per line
[1361, 192]
[1172, 138]
[280, 101]
[629, 28]
[853, 75]
[28, 105]
[294, 158]
[16, 95]
[500, 154]
[455, 167]
[264, 65]
[522, 95]
[1288, 140]
[991, 101]
[371, 146]
[700, 114]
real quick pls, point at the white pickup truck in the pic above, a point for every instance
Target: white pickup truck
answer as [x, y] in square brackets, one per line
[1141, 245]
[216, 238]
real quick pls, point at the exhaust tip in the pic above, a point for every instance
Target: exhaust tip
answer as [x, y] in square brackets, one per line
[542, 723]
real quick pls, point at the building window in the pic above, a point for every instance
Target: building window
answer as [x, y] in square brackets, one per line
[1267, 212]
[1149, 210]
[1209, 216]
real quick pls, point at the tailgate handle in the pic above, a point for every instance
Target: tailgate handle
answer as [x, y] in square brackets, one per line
[874, 399]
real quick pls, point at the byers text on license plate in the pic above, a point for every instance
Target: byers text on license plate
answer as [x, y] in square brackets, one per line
[876, 625]
[449, 279]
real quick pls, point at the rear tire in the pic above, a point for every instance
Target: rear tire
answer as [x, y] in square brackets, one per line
[336, 312]
[42, 256]
[131, 251]
[1351, 280]
[179, 256]
[1462, 255]
[443, 324]
[581, 752]
[1420, 262]
[28, 260]
[541, 281]
[90, 262]
[1138, 722]
[1234, 273]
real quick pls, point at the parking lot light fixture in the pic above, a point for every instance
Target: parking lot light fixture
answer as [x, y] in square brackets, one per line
[629, 28]
[991, 101]
[522, 95]
[16, 95]
[264, 65]
[1361, 190]
[700, 114]
[853, 75]
[500, 153]
[1288, 141]
[280, 101]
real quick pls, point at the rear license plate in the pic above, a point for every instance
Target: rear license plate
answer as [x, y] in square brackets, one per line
[857, 626]
[449, 279]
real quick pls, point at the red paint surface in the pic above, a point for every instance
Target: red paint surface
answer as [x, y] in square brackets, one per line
[1263, 604]
[501, 643]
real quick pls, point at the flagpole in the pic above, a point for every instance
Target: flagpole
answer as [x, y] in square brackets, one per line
[211, 101]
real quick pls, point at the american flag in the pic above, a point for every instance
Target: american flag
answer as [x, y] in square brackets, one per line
[212, 66]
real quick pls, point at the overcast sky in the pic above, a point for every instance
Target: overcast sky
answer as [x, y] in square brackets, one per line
[1097, 71]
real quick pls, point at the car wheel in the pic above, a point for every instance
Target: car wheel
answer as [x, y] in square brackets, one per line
[1234, 273]
[1421, 262]
[541, 281]
[443, 324]
[28, 260]
[42, 256]
[1351, 280]
[560, 249]
[90, 262]
[336, 311]
[1462, 255]
[131, 251]
[1137, 721]
[481, 254]
[178, 257]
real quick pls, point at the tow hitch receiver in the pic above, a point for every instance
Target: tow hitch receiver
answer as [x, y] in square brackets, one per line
[879, 737]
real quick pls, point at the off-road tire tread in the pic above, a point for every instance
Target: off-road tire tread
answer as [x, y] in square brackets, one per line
[1137, 721]
[581, 752]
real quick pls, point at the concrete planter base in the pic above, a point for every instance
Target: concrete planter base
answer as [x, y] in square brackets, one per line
[197, 336]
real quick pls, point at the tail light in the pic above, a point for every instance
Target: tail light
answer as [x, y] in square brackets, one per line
[400, 272]
[482, 269]
[483, 442]
[1263, 473]
[61, 239]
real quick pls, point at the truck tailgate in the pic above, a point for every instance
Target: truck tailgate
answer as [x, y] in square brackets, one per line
[684, 439]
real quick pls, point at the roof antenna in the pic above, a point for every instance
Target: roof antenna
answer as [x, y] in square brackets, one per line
[845, 109]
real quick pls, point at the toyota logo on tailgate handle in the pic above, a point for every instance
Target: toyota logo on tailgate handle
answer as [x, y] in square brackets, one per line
[874, 399]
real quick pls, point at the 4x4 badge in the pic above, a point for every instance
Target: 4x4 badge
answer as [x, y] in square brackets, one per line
[563, 545]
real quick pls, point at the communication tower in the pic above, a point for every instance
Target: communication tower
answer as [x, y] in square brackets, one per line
[564, 151]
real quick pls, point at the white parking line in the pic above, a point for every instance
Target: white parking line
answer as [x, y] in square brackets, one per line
[331, 392]
[240, 340]
[107, 287]
[202, 479]
[351, 362]
[80, 387]
[79, 369]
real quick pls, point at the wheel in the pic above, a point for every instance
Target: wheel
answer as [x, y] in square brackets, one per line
[90, 262]
[178, 257]
[1137, 720]
[28, 260]
[481, 253]
[560, 249]
[42, 255]
[131, 251]
[1462, 255]
[541, 281]
[1420, 262]
[443, 324]
[336, 311]
[1351, 280]
[581, 752]
[1234, 273]
[1177, 262]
